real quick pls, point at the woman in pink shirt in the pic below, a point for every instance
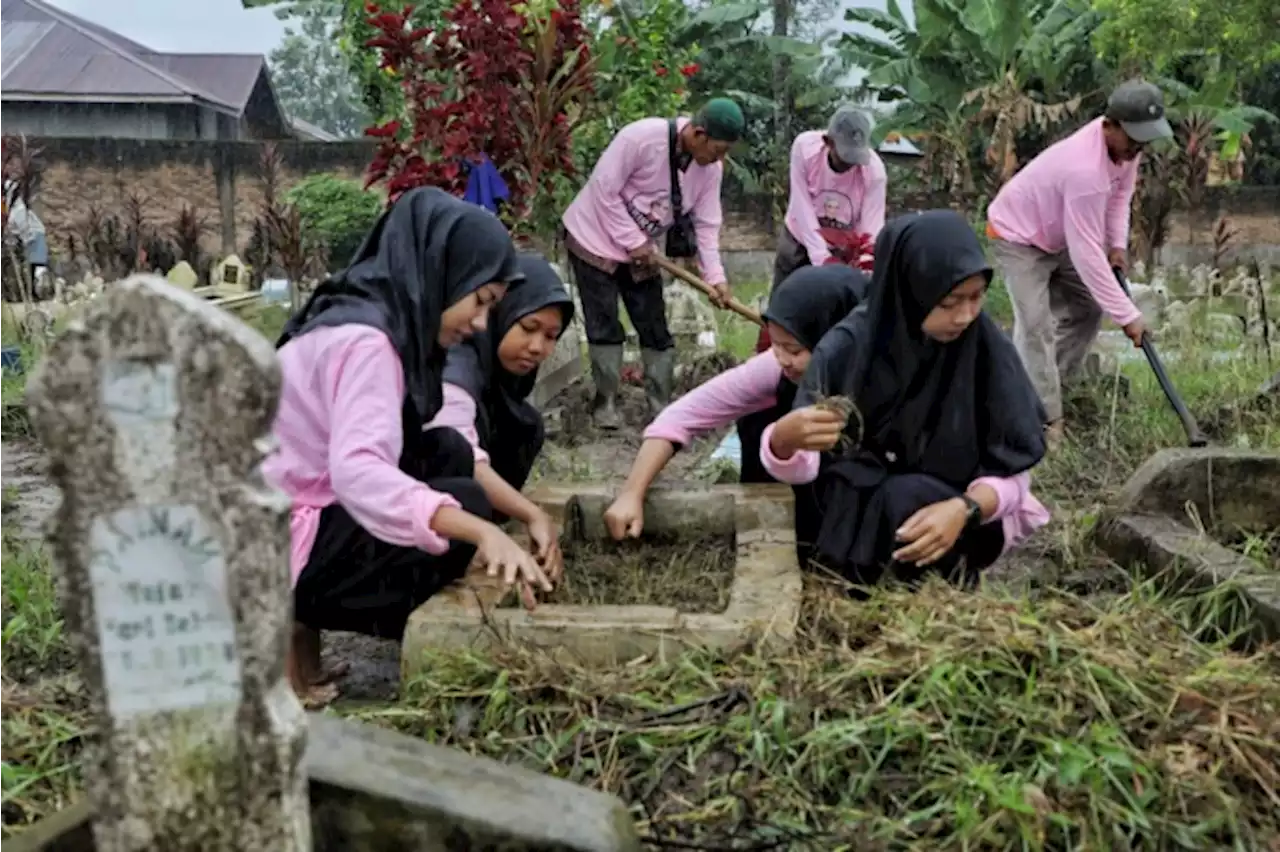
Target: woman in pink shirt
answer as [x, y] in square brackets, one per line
[487, 381]
[385, 514]
[946, 427]
[801, 309]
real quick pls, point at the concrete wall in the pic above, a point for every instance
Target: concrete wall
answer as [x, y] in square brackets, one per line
[139, 121]
[220, 180]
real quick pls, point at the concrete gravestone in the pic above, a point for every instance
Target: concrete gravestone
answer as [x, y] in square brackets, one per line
[230, 276]
[174, 555]
[154, 408]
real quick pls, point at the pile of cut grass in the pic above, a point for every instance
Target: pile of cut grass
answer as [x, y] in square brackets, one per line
[938, 720]
[688, 574]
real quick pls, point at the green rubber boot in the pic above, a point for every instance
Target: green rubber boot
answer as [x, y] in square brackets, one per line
[606, 373]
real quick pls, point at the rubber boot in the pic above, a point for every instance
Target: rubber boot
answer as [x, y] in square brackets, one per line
[659, 377]
[606, 373]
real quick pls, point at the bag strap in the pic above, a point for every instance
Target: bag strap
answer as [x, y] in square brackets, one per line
[677, 200]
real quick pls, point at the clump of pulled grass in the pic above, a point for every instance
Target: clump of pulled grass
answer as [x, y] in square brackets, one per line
[936, 720]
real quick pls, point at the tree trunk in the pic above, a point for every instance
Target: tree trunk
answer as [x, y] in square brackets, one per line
[783, 109]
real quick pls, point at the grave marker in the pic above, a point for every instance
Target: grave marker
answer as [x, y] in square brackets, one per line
[154, 407]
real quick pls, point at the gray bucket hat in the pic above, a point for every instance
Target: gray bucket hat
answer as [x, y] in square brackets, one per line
[1138, 106]
[850, 134]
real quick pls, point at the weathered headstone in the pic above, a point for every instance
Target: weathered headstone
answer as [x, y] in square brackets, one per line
[182, 275]
[230, 276]
[154, 407]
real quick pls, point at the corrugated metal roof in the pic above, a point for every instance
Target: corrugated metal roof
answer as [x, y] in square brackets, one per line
[18, 40]
[229, 76]
[67, 56]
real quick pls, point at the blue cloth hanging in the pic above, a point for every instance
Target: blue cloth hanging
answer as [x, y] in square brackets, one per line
[485, 185]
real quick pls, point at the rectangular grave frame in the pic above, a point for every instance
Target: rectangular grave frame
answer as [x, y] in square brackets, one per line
[764, 598]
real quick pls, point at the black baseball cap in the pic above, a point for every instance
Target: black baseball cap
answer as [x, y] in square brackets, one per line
[1138, 107]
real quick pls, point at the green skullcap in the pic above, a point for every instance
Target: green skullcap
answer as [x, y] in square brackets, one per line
[722, 119]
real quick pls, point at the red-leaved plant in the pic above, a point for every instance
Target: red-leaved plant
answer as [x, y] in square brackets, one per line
[490, 81]
[848, 247]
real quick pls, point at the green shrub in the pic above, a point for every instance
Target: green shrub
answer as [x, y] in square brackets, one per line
[336, 214]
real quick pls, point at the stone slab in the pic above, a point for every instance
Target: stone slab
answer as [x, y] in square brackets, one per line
[764, 601]
[373, 790]
[1231, 489]
[1158, 545]
[562, 369]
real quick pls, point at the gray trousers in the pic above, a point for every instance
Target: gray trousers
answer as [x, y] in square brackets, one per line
[1055, 319]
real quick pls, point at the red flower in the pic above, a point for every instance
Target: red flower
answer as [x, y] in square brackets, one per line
[660, 70]
[690, 69]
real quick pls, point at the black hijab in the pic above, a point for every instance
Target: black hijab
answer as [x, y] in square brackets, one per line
[427, 252]
[502, 406]
[812, 299]
[956, 410]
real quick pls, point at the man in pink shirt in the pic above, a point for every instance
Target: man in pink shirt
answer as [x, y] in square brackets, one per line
[1059, 226]
[657, 177]
[838, 182]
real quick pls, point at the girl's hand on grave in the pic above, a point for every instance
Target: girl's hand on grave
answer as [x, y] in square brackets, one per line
[932, 531]
[625, 516]
[502, 556]
[546, 545]
[808, 428]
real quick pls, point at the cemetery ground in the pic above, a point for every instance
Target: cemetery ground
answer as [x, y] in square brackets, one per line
[1068, 704]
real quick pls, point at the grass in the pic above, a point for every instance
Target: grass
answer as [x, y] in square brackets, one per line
[942, 720]
[1092, 712]
[688, 574]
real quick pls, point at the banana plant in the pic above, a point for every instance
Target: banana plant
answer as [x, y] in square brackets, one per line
[1006, 66]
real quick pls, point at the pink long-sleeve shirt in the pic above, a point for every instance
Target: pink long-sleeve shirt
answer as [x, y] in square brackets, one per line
[627, 200]
[1073, 196]
[340, 437]
[459, 412]
[819, 197]
[752, 386]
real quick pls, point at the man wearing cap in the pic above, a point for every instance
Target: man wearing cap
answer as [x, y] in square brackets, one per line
[1059, 226]
[615, 224]
[837, 181]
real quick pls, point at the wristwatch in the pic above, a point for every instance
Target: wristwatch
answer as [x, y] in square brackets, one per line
[973, 516]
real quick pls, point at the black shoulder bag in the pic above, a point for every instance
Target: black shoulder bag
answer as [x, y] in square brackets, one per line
[681, 240]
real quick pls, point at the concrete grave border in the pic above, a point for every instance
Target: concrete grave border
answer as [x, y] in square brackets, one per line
[1151, 526]
[375, 789]
[764, 600]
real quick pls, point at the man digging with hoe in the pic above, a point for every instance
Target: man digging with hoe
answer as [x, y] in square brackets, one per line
[1058, 229]
[658, 176]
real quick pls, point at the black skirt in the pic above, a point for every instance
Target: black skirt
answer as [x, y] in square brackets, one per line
[848, 519]
[355, 582]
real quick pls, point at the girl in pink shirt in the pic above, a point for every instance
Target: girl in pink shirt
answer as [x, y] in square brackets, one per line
[946, 423]
[385, 514]
[487, 381]
[801, 309]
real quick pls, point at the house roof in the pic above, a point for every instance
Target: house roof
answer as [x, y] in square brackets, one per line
[50, 55]
[307, 130]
